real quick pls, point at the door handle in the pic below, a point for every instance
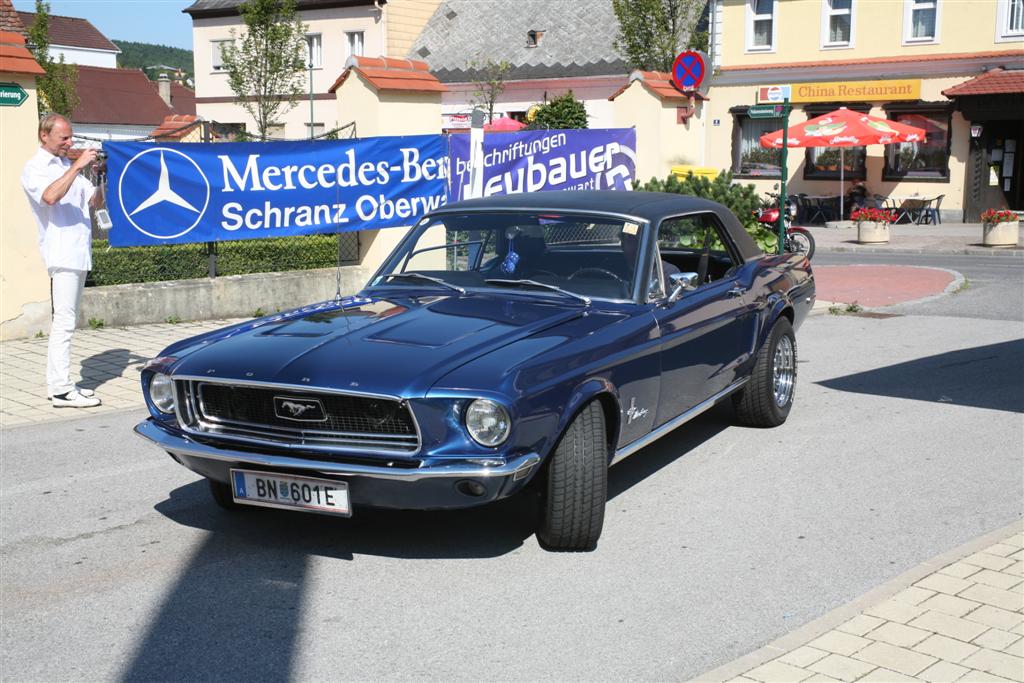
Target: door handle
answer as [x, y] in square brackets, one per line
[737, 291]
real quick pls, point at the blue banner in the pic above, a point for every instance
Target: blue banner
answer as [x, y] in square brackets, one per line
[163, 194]
[537, 161]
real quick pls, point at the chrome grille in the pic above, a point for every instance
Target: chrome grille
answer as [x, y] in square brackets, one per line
[253, 413]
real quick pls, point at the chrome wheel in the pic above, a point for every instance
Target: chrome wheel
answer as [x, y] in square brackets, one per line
[783, 371]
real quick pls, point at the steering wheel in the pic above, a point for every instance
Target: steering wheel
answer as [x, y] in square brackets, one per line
[603, 272]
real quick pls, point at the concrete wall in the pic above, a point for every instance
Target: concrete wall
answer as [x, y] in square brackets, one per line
[404, 20]
[661, 140]
[235, 296]
[84, 56]
[24, 284]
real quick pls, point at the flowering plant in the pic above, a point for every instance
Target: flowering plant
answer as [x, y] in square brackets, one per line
[993, 216]
[873, 215]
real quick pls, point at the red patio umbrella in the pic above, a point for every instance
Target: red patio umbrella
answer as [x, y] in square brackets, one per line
[844, 128]
[504, 125]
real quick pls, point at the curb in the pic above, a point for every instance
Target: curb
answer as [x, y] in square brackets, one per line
[811, 630]
[967, 251]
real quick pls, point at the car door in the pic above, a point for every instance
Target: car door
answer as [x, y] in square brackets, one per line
[708, 332]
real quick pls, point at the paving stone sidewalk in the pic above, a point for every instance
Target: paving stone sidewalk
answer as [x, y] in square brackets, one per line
[109, 361]
[959, 617]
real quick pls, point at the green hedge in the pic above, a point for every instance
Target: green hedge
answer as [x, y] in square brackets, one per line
[124, 265]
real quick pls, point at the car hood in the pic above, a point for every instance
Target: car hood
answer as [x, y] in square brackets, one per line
[393, 346]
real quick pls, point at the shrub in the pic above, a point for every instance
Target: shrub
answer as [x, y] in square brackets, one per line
[741, 199]
[565, 111]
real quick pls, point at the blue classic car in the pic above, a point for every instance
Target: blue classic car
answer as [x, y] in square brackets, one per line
[519, 341]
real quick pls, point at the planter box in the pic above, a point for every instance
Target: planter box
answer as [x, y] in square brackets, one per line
[1000, 234]
[869, 232]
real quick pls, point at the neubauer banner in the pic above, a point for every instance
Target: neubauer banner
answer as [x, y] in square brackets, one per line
[535, 161]
[215, 192]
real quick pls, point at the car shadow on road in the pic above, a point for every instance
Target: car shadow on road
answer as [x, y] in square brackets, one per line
[235, 610]
[100, 368]
[981, 377]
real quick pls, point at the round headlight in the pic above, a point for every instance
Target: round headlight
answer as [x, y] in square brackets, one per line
[161, 392]
[487, 422]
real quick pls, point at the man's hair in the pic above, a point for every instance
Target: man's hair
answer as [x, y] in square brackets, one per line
[48, 121]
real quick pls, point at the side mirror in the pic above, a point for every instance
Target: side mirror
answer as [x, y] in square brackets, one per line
[681, 282]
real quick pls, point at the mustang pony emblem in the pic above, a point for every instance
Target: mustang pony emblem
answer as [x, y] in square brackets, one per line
[302, 409]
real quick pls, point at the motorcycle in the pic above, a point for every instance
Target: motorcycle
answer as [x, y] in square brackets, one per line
[798, 240]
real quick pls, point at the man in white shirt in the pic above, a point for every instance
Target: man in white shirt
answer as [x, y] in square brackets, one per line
[60, 198]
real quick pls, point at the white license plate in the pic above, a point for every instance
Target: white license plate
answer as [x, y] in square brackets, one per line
[290, 492]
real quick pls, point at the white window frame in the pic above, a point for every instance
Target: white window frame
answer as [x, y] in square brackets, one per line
[826, 25]
[350, 43]
[908, 22]
[1003, 32]
[749, 32]
[315, 50]
[216, 65]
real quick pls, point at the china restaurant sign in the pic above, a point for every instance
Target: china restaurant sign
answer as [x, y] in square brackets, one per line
[845, 91]
[215, 192]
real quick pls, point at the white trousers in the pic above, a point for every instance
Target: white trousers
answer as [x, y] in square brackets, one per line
[65, 291]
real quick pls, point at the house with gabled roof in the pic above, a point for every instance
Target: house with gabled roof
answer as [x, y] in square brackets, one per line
[120, 104]
[77, 40]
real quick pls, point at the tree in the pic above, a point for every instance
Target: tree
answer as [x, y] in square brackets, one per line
[266, 66]
[651, 32]
[565, 111]
[489, 84]
[56, 87]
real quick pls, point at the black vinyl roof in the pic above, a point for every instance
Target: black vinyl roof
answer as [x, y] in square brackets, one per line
[652, 207]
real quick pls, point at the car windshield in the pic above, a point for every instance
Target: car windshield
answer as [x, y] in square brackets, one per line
[589, 256]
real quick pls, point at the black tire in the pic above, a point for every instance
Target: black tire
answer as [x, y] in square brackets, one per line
[577, 485]
[221, 493]
[802, 241]
[765, 401]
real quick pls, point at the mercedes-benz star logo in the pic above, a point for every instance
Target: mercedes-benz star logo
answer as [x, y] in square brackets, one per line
[174, 210]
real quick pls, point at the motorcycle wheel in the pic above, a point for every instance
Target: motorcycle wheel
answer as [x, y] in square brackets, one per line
[800, 241]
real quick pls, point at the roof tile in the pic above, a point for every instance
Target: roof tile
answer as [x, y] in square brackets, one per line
[15, 57]
[994, 82]
[9, 20]
[117, 96]
[659, 84]
[388, 73]
[72, 32]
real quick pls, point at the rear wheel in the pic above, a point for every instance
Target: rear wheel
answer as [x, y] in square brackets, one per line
[221, 493]
[577, 485]
[766, 399]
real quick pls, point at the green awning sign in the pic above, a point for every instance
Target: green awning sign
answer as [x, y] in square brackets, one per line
[12, 95]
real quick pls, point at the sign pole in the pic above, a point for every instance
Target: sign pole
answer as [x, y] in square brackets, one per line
[782, 191]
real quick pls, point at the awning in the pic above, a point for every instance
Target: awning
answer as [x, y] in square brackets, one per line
[997, 81]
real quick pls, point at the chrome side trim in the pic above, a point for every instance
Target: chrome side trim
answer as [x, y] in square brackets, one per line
[631, 448]
[181, 445]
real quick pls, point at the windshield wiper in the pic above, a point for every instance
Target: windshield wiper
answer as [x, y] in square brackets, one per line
[542, 285]
[428, 278]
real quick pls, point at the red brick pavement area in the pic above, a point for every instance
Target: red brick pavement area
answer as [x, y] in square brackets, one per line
[874, 286]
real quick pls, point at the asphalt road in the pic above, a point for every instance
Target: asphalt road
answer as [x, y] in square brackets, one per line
[905, 442]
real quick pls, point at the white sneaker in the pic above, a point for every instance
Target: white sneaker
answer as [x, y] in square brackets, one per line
[75, 399]
[88, 393]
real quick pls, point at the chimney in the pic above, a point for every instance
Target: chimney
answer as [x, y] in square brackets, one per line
[163, 86]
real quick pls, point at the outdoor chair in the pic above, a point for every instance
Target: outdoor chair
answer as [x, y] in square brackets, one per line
[930, 214]
[818, 209]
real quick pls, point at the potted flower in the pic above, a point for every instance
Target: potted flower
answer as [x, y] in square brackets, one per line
[999, 228]
[873, 224]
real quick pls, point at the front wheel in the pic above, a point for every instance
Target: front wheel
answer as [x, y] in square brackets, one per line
[766, 399]
[577, 485]
[800, 241]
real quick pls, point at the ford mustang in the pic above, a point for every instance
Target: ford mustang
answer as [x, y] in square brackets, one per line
[529, 340]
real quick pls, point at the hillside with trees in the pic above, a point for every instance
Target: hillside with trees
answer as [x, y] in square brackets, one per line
[142, 55]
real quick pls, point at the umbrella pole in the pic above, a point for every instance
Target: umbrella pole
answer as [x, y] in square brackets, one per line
[842, 167]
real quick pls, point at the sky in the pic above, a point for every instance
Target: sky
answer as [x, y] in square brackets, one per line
[144, 21]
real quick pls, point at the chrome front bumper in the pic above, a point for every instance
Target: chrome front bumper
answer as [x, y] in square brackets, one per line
[517, 468]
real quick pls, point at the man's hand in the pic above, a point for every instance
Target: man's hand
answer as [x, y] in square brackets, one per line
[87, 158]
[96, 200]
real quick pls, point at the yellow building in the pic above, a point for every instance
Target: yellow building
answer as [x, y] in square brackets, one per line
[948, 67]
